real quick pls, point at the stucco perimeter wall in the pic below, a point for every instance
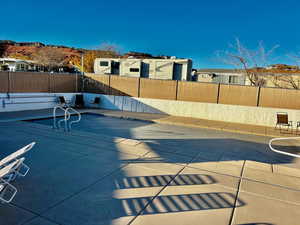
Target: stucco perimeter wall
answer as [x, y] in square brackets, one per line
[221, 112]
[32, 101]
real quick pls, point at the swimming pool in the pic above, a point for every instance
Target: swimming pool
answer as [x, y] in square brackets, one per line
[212, 143]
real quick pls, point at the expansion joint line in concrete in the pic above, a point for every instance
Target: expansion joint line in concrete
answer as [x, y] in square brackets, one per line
[42, 217]
[164, 187]
[237, 194]
[84, 188]
[36, 215]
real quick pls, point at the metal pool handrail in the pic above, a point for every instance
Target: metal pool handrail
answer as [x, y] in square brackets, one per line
[54, 117]
[69, 116]
[282, 152]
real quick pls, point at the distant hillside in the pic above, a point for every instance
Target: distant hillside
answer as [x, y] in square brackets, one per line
[27, 50]
[72, 56]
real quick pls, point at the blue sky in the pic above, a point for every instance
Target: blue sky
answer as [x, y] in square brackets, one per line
[193, 29]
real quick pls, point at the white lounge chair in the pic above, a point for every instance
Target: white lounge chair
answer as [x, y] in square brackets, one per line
[8, 191]
[23, 169]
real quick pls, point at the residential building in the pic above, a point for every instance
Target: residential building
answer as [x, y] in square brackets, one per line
[167, 69]
[14, 65]
[227, 76]
[230, 76]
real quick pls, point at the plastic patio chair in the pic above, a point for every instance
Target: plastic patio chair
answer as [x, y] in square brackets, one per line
[62, 101]
[96, 101]
[283, 120]
[23, 169]
[8, 191]
[79, 101]
[297, 126]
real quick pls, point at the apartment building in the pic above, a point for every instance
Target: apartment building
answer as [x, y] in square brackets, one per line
[227, 76]
[15, 65]
[166, 69]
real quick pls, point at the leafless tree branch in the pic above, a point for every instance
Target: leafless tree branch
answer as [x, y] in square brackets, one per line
[247, 60]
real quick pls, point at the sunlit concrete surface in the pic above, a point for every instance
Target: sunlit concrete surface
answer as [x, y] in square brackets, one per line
[118, 171]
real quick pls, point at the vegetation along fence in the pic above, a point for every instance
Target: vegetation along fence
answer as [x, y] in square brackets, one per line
[18, 82]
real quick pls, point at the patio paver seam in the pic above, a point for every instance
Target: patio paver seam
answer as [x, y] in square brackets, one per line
[83, 189]
[249, 179]
[271, 198]
[212, 171]
[36, 215]
[27, 210]
[275, 185]
[40, 216]
[237, 195]
[163, 188]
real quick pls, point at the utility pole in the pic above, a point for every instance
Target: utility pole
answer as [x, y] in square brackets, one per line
[82, 55]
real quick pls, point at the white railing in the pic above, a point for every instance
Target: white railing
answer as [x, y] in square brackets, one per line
[57, 125]
[282, 152]
[67, 117]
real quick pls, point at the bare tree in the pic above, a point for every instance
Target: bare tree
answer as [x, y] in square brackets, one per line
[295, 58]
[113, 49]
[50, 57]
[109, 50]
[250, 62]
[288, 79]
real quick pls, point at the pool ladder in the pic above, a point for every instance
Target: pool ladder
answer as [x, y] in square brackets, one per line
[282, 152]
[67, 116]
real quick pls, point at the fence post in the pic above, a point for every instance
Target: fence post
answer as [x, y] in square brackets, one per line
[76, 83]
[8, 84]
[109, 90]
[52, 78]
[176, 94]
[258, 96]
[218, 95]
[139, 87]
[49, 82]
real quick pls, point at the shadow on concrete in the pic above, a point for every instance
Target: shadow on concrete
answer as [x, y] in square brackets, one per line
[182, 203]
[163, 180]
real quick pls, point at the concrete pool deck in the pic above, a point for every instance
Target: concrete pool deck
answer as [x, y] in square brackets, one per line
[112, 171]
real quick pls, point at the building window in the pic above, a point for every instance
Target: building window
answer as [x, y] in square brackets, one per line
[233, 79]
[103, 63]
[134, 70]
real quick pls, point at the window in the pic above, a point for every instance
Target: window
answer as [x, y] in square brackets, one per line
[134, 70]
[233, 79]
[115, 65]
[103, 63]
